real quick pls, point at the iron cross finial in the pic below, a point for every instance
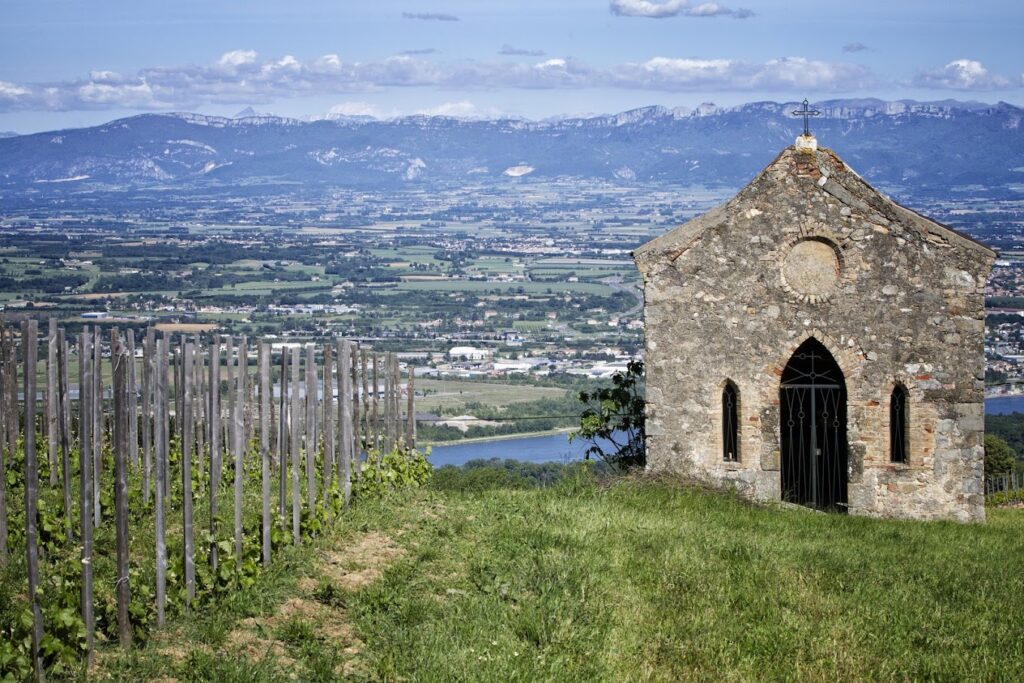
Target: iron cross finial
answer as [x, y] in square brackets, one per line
[807, 113]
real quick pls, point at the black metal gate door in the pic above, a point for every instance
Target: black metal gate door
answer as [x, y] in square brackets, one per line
[813, 417]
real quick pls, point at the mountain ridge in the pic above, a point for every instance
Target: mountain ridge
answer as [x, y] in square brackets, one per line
[925, 146]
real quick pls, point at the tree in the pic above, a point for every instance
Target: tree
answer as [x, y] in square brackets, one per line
[999, 457]
[614, 421]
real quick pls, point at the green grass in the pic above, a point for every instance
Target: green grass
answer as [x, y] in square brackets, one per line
[532, 325]
[624, 580]
[265, 287]
[647, 581]
[507, 287]
[207, 646]
[448, 393]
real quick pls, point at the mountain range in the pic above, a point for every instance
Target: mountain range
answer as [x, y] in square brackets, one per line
[923, 148]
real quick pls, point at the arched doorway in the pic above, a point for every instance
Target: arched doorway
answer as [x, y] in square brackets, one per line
[813, 425]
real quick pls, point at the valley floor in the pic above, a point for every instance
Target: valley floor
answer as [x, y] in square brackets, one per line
[634, 580]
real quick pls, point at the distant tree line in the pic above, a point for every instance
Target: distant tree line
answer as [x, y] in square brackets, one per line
[1008, 429]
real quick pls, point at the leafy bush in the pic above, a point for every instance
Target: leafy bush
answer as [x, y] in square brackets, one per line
[403, 467]
[999, 457]
[1010, 428]
[487, 475]
[614, 420]
[1004, 498]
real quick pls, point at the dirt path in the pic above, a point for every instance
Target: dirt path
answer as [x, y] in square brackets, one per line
[313, 621]
[319, 612]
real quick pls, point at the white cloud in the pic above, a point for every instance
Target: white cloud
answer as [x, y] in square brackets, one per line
[856, 47]
[459, 110]
[357, 108]
[138, 95]
[240, 78]
[663, 9]
[105, 77]
[330, 62]
[961, 74]
[12, 91]
[788, 73]
[429, 16]
[237, 58]
[647, 8]
[512, 51]
[551, 64]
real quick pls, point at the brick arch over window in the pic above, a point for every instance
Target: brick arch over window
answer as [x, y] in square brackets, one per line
[851, 359]
[730, 422]
[899, 424]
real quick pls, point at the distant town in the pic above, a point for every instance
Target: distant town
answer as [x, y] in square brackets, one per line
[525, 281]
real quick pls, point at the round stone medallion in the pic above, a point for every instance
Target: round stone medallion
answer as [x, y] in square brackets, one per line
[811, 269]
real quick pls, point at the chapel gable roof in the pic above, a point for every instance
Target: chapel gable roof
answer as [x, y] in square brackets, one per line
[805, 170]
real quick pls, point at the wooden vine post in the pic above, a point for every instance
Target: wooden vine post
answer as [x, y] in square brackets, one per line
[367, 427]
[148, 352]
[120, 358]
[85, 487]
[186, 476]
[265, 403]
[328, 419]
[295, 417]
[30, 350]
[5, 413]
[239, 449]
[345, 417]
[357, 438]
[161, 431]
[97, 424]
[389, 417]
[229, 355]
[215, 449]
[310, 428]
[410, 409]
[64, 426]
[282, 435]
[52, 402]
[133, 404]
[376, 407]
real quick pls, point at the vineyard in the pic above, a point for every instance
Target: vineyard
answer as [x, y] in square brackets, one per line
[141, 479]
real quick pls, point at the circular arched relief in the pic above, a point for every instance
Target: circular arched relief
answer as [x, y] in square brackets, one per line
[811, 269]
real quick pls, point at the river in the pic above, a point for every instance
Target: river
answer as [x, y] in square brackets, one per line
[1004, 405]
[545, 448]
[557, 448]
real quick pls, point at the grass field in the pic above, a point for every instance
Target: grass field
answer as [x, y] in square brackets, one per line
[508, 287]
[448, 393]
[636, 580]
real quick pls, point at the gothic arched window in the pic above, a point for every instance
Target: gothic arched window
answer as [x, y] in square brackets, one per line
[730, 423]
[898, 415]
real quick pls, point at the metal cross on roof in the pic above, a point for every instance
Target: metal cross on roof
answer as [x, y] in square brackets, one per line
[807, 113]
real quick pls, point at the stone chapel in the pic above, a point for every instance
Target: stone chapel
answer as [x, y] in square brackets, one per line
[812, 341]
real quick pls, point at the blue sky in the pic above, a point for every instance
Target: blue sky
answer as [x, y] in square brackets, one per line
[75, 62]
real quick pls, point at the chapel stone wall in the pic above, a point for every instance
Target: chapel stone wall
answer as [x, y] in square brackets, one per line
[808, 249]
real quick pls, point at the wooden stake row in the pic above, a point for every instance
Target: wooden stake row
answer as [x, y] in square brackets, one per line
[329, 418]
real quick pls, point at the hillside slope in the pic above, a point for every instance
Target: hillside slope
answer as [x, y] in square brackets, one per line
[638, 580]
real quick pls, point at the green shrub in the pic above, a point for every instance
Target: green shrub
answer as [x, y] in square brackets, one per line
[399, 469]
[1004, 498]
[492, 474]
[614, 420]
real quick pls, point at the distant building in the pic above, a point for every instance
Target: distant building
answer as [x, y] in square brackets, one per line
[464, 353]
[814, 342]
